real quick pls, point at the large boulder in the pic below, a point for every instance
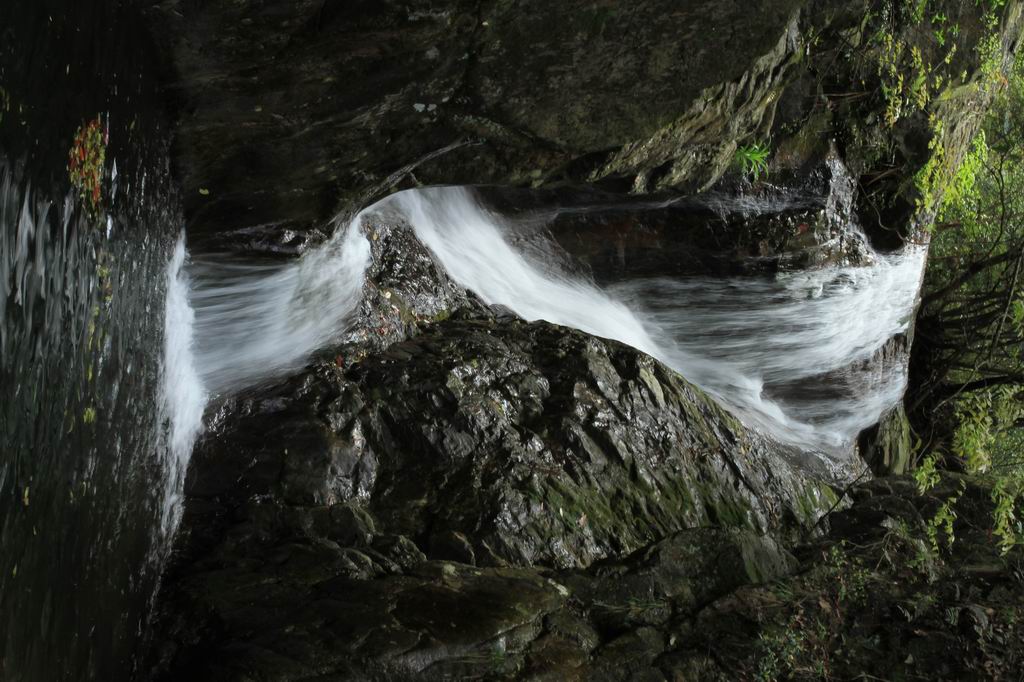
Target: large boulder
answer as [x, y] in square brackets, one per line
[438, 468]
[540, 444]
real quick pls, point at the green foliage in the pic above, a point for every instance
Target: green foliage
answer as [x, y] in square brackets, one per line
[901, 548]
[929, 180]
[970, 391]
[974, 435]
[986, 434]
[1007, 525]
[787, 650]
[915, 71]
[990, 52]
[753, 160]
[847, 614]
[890, 70]
[803, 647]
[926, 475]
[964, 186]
[912, 74]
[944, 520]
[942, 182]
[849, 578]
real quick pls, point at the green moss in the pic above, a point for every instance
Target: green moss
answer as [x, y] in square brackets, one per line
[731, 511]
[815, 500]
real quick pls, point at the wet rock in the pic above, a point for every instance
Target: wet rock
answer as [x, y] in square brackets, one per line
[405, 288]
[566, 450]
[680, 574]
[888, 446]
[349, 524]
[539, 444]
[452, 546]
[275, 240]
[793, 223]
[437, 619]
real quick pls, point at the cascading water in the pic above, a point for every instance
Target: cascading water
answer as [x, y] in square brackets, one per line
[182, 394]
[257, 321]
[736, 338]
[747, 340]
[231, 325]
[758, 344]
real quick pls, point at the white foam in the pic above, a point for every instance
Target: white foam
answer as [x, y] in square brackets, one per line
[739, 338]
[256, 322]
[182, 394]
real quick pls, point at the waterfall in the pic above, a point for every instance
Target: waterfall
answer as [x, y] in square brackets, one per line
[229, 325]
[182, 394]
[255, 321]
[791, 354]
[736, 338]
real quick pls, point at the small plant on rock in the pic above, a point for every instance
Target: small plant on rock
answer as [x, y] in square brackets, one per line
[753, 159]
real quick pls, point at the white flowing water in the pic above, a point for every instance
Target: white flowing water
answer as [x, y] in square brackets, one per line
[264, 320]
[736, 338]
[789, 354]
[741, 338]
[231, 325]
[182, 394]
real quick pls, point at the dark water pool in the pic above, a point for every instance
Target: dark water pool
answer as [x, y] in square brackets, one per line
[82, 290]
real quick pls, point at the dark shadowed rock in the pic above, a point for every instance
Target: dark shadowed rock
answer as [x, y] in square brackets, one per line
[704, 603]
[877, 598]
[795, 222]
[322, 103]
